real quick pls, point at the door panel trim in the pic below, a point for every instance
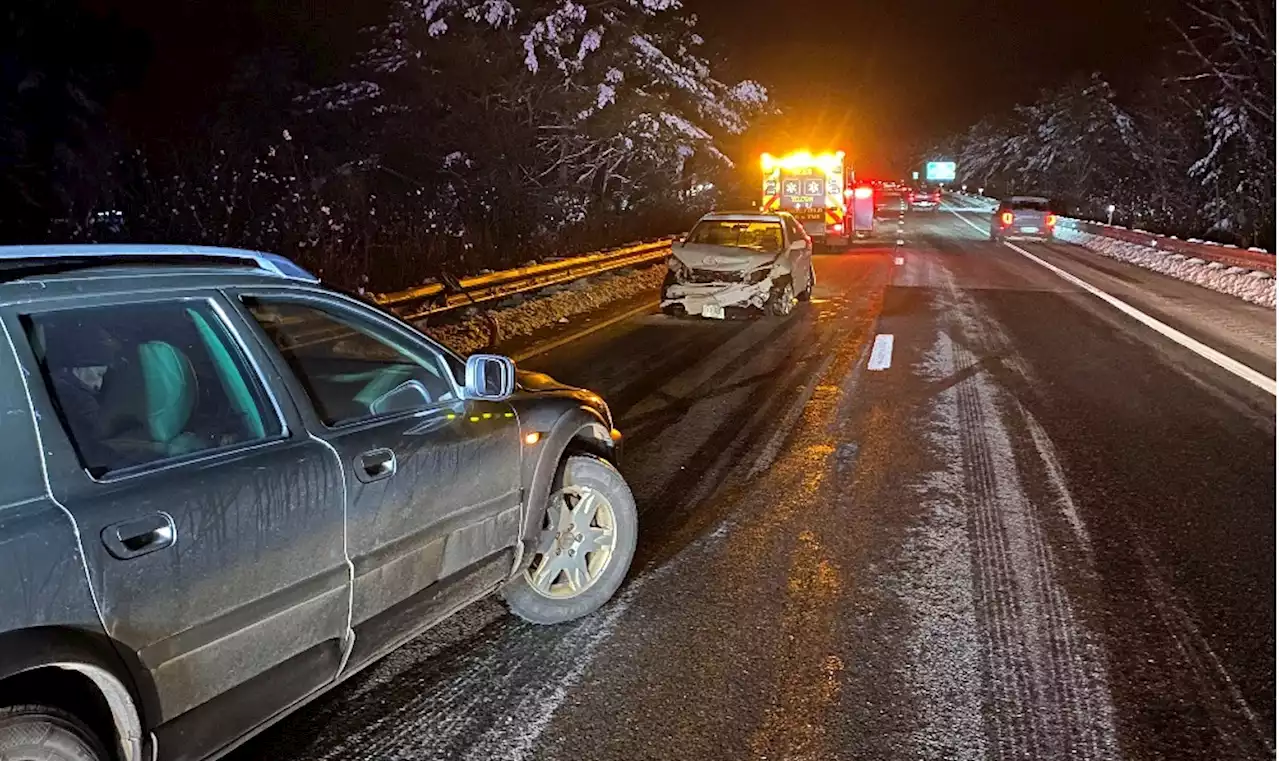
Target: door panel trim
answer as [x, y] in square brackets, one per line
[399, 569]
[231, 718]
[230, 623]
[392, 627]
[238, 641]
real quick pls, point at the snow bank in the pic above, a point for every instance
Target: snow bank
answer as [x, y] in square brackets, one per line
[526, 314]
[1252, 286]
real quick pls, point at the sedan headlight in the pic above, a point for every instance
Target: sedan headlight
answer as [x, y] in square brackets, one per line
[677, 266]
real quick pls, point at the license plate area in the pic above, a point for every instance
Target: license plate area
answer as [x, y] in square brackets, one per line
[1027, 229]
[713, 311]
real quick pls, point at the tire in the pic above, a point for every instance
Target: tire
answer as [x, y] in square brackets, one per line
[580, 474]
[667, 281]
[781, 300]
[807, 293]
[40, 733]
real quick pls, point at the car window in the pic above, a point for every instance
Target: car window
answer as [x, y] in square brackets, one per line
[797, 232]
[138, 383]
[1028, 205]
[351, 367]
[762, 237]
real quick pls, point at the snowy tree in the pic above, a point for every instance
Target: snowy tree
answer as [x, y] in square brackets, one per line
[1074, 144]
[523, 119]
[1193, 154]
[1232, 52]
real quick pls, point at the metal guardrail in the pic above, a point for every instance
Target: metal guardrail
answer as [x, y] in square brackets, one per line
[433, 298]
[1223, 253]
[1233, 256]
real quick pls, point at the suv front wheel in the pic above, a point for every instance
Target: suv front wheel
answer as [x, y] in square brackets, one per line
[40, 733]
[584, 549]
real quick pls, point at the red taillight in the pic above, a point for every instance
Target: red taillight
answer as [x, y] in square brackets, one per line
[1006, 218]
[937, 196]
[862, 192]
[838, 228]
[1051, 220]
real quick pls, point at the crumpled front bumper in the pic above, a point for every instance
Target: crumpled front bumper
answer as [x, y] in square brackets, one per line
[694, 296]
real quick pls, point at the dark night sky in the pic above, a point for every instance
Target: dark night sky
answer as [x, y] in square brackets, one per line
[875, 77]
[880, 76]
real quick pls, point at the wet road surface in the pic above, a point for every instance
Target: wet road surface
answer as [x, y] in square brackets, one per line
[1042, 532]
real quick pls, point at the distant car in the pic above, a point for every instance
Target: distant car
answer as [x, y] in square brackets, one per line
[1024, 217]
[890, 201]
[225, 489]
[924, 199]
[753, 261]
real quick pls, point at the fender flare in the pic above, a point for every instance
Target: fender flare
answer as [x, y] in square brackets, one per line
[580, 428]
[90, 655]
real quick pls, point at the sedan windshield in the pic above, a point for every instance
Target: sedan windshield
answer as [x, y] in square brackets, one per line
[761, 237]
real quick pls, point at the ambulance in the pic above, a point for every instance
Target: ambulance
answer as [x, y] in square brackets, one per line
[818, 191]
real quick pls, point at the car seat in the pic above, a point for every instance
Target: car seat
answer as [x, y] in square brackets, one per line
[146, 404]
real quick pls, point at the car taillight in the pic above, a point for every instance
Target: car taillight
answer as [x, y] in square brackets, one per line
[1051, 220]
[1006, 218]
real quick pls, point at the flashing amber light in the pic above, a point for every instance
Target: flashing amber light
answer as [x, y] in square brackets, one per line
[532, 437]
[615, 434]
[1051, 220]
[828, 162]
[862, 192]
[1006, 218]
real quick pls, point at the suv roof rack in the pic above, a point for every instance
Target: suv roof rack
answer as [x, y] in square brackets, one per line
[273, 264]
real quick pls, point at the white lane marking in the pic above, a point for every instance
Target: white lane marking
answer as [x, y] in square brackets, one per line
[1237, 368]
[881, 353]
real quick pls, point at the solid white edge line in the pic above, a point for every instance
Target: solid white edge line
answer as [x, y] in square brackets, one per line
[881, 353]
[1233, 366]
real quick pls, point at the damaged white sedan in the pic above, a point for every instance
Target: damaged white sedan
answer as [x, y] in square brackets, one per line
[758, 262]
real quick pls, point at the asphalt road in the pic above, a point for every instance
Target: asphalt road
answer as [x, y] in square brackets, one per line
[1044, 531]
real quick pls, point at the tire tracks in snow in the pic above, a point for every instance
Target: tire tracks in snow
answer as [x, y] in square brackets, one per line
[1044, 684]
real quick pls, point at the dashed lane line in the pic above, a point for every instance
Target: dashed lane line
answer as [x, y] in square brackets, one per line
[881, 352]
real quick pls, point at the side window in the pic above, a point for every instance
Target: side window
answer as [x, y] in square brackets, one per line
[797, 232]
[139, 383]
[352, 368]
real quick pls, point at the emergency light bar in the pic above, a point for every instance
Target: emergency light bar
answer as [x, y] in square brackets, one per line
[802, 160]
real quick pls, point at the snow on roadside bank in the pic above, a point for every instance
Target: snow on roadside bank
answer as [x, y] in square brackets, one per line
[1254, 287]
[523, 315]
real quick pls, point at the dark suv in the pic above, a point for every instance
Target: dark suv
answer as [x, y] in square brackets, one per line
[226, 488]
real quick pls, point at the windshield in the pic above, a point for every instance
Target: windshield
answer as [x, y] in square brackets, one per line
[760, 237]
[1027, 204]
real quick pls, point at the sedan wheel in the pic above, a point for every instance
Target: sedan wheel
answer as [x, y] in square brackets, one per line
[807, 293]
[42, 733]
[576, 543]
[782, 301]
[583, 549]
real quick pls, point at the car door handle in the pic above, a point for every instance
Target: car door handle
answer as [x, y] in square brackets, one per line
[375, 464]
[129, 539]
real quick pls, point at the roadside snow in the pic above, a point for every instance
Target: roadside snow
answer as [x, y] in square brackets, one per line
[1254, 287]
[548, 307]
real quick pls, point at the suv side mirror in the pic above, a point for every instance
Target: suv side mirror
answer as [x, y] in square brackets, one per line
[407, 396]
[490, 377]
